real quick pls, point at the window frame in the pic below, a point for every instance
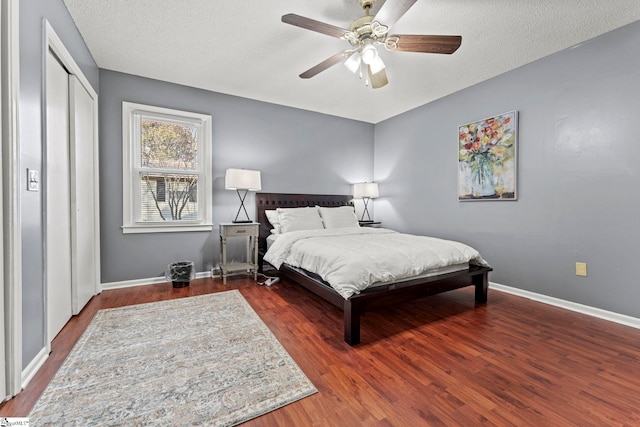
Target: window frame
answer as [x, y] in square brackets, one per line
[132, 113]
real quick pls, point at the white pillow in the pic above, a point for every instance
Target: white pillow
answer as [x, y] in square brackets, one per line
[272, 216]
[340, 217]
[296, 219]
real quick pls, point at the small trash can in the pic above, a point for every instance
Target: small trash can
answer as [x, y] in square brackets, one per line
[180, 273]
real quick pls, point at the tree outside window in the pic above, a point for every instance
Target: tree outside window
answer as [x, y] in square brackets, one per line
[168, 147]
[168, 165]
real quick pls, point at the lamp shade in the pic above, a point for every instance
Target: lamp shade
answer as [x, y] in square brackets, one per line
[353, 62]
[242, 179]
[376, 65]
[363, 190]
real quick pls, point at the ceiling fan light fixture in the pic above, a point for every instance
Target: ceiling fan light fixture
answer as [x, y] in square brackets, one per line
[369, 53]
[353, 62]
[376, 65]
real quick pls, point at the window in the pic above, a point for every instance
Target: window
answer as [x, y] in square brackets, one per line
[166, 170]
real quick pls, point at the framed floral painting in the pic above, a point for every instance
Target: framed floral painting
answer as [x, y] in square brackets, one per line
[487, 158]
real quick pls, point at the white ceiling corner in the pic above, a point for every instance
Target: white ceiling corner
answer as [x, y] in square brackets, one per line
[242, 48]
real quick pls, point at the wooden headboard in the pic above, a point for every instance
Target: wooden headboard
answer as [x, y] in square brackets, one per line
[269, 201]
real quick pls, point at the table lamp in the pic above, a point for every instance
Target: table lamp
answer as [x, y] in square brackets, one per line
[242, 180]
[365, 191]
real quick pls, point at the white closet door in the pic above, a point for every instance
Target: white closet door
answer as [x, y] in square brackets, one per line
[83, 188]
[57, 187]
[3, 380]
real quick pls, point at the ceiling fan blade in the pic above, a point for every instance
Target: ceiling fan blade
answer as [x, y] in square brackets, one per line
[422, 43]
[327, 63]
[378, 79]
[392, 10]
[313, 25]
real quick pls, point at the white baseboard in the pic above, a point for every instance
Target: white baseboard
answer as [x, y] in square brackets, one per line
[30, 371]
[149, 281]
[622, 319]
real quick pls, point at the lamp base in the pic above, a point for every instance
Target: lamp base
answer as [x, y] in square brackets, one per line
[366, 210]
[244, 221]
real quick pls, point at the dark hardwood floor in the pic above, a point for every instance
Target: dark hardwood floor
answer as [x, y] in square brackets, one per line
[442, 360]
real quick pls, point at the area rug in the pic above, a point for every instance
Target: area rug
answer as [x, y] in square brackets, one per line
[205, 360]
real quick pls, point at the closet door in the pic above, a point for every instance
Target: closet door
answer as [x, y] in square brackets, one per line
[3, 380]
[83, 189]
[57, 188]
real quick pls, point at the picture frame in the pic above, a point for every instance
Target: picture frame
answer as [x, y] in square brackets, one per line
[487, 158]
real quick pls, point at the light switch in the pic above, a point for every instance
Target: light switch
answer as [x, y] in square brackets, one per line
[33, 180]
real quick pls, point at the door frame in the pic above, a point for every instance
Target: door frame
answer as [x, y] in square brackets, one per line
[54, 44]
[11, 233]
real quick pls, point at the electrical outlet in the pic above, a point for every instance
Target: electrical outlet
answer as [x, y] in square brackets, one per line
[581, 269]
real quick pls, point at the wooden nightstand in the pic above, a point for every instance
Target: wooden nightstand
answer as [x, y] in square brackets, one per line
[229, 230]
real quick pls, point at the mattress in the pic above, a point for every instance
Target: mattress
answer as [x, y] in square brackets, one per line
[352, 260]
[430, 273]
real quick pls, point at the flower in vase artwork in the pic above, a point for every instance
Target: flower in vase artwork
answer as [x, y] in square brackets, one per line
[487, 158]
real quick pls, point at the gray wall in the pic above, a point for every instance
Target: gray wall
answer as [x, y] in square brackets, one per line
[32, 14]
[296, 151]
[577, 179]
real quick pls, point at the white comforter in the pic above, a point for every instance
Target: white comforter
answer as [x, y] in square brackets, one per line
[351, 259]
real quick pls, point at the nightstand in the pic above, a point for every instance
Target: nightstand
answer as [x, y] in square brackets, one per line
[369, 223]
[230, 230]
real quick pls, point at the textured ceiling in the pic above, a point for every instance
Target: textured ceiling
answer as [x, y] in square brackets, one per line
[242, 48]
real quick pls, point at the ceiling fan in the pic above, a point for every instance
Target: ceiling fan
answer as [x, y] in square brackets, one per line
[368, 31]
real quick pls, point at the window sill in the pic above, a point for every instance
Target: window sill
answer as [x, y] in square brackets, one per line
[137, 229]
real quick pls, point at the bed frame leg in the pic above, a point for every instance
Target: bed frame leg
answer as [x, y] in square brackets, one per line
[481, 282]
[351, 324]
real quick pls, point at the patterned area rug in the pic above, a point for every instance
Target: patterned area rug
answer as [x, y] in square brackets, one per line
[206, 360]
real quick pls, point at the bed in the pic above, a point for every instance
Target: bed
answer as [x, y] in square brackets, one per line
[383, 295]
